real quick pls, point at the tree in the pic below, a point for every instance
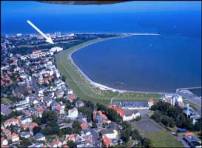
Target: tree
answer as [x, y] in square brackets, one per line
[68, 105]
[94, 125]
[37, 120]
[126, 132]
[113, 116]
[65, 131]
[180, 119]
[198, 125]
[76, 127]
[171, 115]
[135, 135]
[49, 116]
[156, 116]
[50, 119]
[125, 135]
[86, 111]
[63, 78]
[167, 121]
[25, 142]
[101, 107]
[89, 104]
[146, 143]
[36, 130]
[3, 118]
[71, 144]
[51, 128]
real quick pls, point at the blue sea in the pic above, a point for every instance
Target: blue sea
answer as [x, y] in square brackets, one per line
[152, 63]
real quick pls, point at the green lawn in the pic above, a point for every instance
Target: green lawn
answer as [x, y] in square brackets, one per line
[82, 87]
[163, 139]
[158, 135]
[6, 101]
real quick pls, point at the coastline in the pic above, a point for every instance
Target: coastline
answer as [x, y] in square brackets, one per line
[102, 86]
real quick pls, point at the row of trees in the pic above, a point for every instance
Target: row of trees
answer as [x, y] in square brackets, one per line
[172, 116]
[49, 119]
[166, 120]
[90, 107]
[87, 110]
[128, 133]
[11, 115]
[111, 114]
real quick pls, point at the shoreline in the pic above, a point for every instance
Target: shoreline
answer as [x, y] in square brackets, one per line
[102, 86]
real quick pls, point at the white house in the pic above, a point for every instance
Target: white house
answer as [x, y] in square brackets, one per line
[15, 137]
[40, 137]
[70, 92]
[110, 133]
[23, 102]
[4, 142]
[130, 115]
[56, 49]
[173, 99]
[73, 113]
[39, 145]
[25, 134]
[25, 120]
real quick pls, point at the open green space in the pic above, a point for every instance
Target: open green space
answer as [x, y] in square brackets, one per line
[158, 135]
[82, 86]
[163, 139]
[6, 100]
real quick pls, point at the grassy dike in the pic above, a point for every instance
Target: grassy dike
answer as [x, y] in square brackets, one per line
[82, 87]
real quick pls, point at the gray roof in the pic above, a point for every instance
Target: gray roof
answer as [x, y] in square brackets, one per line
[5, 109]
[131, 103]
[130, 112]
[192, 139]
[38, 135]
[107, 131]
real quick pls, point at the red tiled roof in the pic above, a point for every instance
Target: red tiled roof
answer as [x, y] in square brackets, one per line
[58, 107]
[30, 125]
[118, 109]
[40, 109]
[65, 146]
[71, 137]
[106, 141]
[72, 97]
[56, 142]
[84, 125]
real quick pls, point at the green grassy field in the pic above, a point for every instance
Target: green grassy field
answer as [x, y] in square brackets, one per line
[163, 139]
[6, 100]
[158, 135]
[83, 88]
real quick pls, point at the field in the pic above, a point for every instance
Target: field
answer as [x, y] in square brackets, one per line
[6, 100]
[158, 135]
[83, 88]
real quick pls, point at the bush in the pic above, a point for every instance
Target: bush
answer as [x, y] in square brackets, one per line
[49, 116]
[66, 131]
[51, 128]
[171, 115]
[156, 116]
[71, 144]
[86, 111]
[76, 127]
